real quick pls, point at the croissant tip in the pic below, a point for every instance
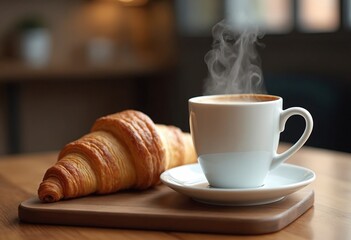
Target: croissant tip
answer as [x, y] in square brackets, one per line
[48, 199]
[50, 191]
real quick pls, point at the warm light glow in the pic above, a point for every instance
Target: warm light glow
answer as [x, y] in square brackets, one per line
[133, 2]
[278, 15]
[318, 15]
[101, 17]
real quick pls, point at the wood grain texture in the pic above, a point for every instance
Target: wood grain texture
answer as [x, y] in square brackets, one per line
[163, 209]
[329, 218]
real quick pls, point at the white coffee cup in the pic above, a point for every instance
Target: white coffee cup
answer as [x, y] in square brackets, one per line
[236, 137]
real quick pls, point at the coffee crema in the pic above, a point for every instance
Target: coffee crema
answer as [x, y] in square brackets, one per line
[236, 98]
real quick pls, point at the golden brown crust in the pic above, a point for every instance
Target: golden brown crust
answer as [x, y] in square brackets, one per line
[50, 190]
[140, 135]
[174, 145]
[123, 150]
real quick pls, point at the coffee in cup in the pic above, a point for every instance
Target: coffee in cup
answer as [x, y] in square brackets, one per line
[236, 137]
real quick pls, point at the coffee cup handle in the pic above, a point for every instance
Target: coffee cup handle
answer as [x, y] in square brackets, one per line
[285, 115]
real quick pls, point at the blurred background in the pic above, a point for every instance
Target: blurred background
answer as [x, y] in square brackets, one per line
[64, 63]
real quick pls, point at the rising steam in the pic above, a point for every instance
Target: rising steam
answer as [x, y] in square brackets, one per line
[233, 63]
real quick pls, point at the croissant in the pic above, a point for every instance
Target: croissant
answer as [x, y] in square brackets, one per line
[125, 150]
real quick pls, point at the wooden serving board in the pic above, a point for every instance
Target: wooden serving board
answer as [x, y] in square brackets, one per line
[163, 209]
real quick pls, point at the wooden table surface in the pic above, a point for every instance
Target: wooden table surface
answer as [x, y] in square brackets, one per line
[330, 218]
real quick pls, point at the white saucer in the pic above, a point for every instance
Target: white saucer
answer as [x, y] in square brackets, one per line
[282, 181]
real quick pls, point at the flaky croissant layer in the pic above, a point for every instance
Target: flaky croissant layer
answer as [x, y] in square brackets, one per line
[125, 150]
